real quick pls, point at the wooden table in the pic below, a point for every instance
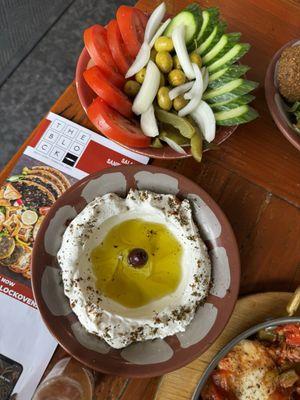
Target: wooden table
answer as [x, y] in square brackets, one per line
[254, 177]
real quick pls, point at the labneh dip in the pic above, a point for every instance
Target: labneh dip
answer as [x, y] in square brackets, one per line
[134, 268]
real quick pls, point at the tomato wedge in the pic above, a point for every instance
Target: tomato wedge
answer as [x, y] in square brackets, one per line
[291, 333]
[95, 40]
[117, 47]
[115, 126]
[143, 18]
[131, 23]
[211, 392]
[113, 96]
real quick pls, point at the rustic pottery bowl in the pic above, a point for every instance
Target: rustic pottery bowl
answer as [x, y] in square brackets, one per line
[276, 104]
[226, 349]
[150, 358]
[86, 96]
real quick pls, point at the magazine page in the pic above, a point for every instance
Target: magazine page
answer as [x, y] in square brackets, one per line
[60, 153]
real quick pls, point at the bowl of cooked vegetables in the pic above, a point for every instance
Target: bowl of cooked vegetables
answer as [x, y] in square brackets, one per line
[165, 87]
[262, 363]
[282, 87]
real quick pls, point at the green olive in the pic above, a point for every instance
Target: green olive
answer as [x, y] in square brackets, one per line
[163, 43]
[179, 103]
[153, 54]
[164, 61]
[131, 88]
[267, 335]
[176, 63]
[162, 80]
[196, 59]
[163, 98]
[176, 77]
[140, 76]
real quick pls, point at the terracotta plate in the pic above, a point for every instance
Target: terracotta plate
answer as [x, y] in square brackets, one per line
[150, 358]
[86, 96]
[275, 102]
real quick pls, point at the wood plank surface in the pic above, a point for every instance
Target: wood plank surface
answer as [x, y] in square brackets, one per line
[254, 176]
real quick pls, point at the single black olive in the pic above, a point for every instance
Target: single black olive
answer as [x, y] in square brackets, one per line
[137, 257]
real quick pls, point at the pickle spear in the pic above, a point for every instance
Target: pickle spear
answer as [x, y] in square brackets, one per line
[156, 143]
[176, 138]
[185, 128]
[196, 146]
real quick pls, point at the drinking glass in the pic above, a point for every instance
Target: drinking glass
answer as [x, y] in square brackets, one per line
[68, 380]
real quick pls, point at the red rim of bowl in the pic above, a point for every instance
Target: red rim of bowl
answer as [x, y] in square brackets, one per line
[86, 95]
[271, 92]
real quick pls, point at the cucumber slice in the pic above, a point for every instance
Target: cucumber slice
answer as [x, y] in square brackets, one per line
[226, 43]
[234, 54]
[217, 74]
[237, 116]
[212, 39]
[232, 70]
[226, 75]
[230, 91]
[210, 18]
[191, 18]
[229, 105]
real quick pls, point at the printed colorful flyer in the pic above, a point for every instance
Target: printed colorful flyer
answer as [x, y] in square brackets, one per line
[60, 153]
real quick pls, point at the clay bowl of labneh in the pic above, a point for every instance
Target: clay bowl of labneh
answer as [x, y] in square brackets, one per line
[135, 271]
[282, 88]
